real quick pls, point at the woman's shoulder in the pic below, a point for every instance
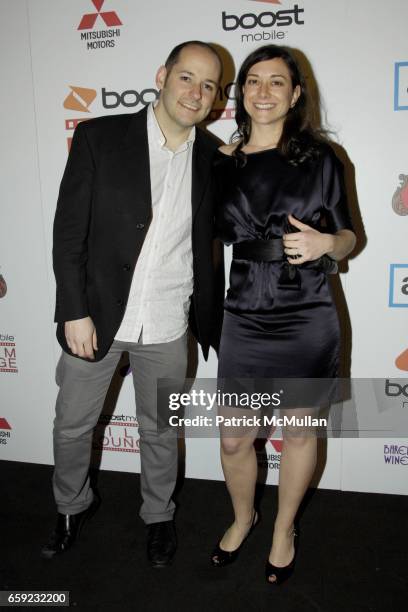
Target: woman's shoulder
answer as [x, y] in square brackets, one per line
[320, 152]
[228, 149]
[224, 156]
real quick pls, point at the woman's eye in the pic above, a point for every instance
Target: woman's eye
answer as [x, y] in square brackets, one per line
[277, 83]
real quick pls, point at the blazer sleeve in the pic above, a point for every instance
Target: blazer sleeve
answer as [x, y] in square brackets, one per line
[71, 228]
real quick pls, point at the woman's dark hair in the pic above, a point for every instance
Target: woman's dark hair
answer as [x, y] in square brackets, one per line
[300, 139]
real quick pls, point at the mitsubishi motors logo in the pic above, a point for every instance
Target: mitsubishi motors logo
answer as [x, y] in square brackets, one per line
[100, 39]
[265, 457]
[277, 444]
[5, 431]
[80, 99]
[110, 18]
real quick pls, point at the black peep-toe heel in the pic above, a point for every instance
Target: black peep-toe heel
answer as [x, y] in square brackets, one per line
[221, 558]
[282, 573]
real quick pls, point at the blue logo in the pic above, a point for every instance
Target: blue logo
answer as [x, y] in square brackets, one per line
[398, 297]
[401, 86]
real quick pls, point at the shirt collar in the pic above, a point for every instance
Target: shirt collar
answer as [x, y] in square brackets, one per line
[156, 135]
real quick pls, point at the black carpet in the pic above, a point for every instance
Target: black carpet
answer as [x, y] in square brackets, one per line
[352, 554]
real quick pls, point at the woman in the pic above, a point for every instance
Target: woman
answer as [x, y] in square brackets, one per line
[277, 184]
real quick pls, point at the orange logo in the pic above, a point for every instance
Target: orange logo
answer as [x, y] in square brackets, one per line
[402, 361]
[80, 99]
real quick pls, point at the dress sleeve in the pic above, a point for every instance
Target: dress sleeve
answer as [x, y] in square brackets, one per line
[335, 206]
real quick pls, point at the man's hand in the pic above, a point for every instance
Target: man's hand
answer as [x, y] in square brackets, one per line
[81, 337]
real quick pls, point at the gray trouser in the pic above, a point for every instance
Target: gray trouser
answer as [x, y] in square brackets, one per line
[83, 387]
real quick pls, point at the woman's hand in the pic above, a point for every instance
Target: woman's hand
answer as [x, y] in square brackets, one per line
[306, 245]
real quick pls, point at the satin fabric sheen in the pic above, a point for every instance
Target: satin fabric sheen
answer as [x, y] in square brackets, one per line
[270, 331]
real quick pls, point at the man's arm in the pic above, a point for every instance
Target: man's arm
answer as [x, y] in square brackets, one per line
[70, 250]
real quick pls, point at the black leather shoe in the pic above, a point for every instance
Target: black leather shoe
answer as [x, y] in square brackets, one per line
[67, 531]
[161, 543]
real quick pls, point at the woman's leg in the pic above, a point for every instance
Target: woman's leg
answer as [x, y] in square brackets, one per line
[239, 464]
[298, 463]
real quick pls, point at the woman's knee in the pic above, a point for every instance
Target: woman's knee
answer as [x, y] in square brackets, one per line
[233, 446]
[299, 437]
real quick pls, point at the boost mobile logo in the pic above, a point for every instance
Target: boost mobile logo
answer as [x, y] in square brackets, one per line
[394, 389]
[402, 361]
[267, 19]
[110, 18]
[79, 99]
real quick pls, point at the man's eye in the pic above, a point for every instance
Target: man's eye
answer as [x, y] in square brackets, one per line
[209, 87]
[184, 77]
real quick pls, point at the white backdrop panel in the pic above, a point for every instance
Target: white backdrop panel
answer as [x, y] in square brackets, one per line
[351, 49]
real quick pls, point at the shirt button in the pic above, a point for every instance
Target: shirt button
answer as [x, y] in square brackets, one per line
[126, 267]
[140, 226]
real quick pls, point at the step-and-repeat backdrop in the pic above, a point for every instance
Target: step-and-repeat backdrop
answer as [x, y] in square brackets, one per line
[65, 62]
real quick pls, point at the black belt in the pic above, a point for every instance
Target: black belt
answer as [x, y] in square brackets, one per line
[272, 250]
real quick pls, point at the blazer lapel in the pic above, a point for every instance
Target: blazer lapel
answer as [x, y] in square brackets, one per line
[134, 157]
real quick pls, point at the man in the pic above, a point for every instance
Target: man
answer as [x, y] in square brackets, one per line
[133, 261]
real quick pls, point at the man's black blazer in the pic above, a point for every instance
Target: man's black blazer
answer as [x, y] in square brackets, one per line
[103, 214]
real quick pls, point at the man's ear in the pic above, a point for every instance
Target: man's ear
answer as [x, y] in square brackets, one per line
[161, 77]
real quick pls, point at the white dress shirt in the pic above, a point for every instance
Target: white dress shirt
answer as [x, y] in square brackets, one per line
[162, 284]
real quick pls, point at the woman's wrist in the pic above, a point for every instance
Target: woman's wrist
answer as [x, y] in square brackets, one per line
[330, 245]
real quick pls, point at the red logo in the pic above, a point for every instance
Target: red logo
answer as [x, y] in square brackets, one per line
[277, 444]
[3, 286]
[400, 197]
[4, 424]
[402, 361]
[109, 17]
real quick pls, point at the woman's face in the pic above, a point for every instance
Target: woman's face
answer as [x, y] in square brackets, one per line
[268, 92]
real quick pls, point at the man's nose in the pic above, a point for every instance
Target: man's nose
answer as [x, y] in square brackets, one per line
[196, 92]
